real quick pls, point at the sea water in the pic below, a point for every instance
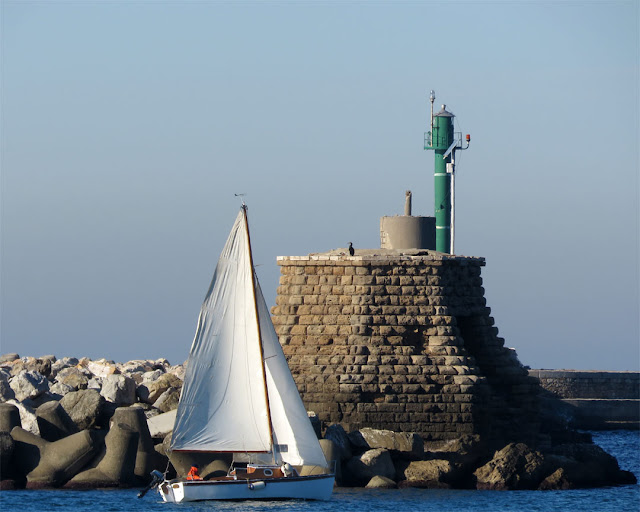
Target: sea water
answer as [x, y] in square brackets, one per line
[624, 445]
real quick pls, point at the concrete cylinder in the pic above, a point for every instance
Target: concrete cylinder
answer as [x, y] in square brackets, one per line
[146, 457]
[332, 455]
[114, 467]
[9, 417]
[406, 232]
[54, 422]
[51, 464]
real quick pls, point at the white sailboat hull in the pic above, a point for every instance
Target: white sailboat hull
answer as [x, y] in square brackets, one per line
[314, 487]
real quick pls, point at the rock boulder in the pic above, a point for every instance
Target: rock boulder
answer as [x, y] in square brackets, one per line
[119, 389]
[401, 444]
[84, 407]
[514, 467]
[428, 474]
[150, 390]
[28, 384]
[73, 377]
[337, 434]
[359, 470]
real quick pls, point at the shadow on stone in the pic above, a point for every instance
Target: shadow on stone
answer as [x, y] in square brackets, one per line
[54, 422]
[9, 417]
[147, 459]
[114, 466]
[47, 464]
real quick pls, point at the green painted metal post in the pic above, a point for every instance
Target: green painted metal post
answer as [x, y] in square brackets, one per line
[444, 142]
[442, 137]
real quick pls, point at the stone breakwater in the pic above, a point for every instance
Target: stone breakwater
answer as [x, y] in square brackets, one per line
[402, 340]
[77, 423]
[593, 400]
[80, 423]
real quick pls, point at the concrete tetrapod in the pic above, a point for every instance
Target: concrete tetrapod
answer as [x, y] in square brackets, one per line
[147, 459]
[48, 464]
[211, 464]
[9, 417]
[332, 456]
[6, 450]
[54, 422]
[114, 466]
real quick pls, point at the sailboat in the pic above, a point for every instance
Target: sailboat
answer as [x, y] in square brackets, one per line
[239, 396]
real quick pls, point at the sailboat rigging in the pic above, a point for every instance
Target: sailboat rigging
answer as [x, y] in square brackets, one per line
[239, 396]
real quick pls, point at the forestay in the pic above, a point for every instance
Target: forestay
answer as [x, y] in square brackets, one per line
[292, 429]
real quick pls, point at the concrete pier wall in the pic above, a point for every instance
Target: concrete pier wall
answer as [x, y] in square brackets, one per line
[594, 399]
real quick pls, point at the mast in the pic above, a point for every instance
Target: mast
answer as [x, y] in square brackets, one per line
[255, 305]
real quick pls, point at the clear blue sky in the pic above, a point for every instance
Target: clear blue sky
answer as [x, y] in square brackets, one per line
[127, 127]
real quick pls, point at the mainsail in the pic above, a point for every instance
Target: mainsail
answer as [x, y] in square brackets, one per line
[223, 406]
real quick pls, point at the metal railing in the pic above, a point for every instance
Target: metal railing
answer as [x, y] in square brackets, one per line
[441, 141]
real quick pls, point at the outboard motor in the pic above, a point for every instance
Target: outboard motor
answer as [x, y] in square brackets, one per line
[156, 478]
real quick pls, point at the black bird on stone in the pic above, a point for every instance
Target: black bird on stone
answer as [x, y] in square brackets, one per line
[352, 251]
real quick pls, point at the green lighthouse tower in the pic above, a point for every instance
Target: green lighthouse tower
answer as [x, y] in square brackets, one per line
[444, 142]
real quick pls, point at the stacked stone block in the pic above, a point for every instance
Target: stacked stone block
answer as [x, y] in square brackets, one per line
[400, 340]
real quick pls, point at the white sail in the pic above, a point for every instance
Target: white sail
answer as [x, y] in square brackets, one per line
[223, 404]
[296, 441]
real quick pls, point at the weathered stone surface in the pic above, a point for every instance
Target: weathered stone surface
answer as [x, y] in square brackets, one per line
[359, 470]
[151, 376]
[168, 400]
[29, 384]
[381, 482]
[315, 423]
[53, 422]
[7, 358]
[146, 457]
[61, 364]
[72, 376]
[464, 451]
[6, 450]
[95, 383]
[135, 366]
[161, 425]
[178, 370]
[584, 465]
[514, 467]
[337, 434]
[407, 444]
[428, 474]
[150, 390]
[114, 466]
[556, 481]
[6, 393]
[101, 368]
[39, 365]
[27, 416]
[119, 389]
[9, 417]
[51, 464]
[59, 389]
[401, 341]
[84, 407]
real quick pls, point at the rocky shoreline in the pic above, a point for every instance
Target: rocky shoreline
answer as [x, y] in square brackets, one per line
[79, 423]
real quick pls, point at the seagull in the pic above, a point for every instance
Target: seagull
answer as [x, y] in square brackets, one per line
[352, 251]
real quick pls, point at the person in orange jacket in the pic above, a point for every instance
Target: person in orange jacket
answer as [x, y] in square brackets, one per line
[193, 473]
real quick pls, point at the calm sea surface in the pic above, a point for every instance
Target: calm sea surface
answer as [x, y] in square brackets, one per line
[625, 445]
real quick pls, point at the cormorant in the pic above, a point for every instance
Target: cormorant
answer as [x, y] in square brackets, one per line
[351, 249]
